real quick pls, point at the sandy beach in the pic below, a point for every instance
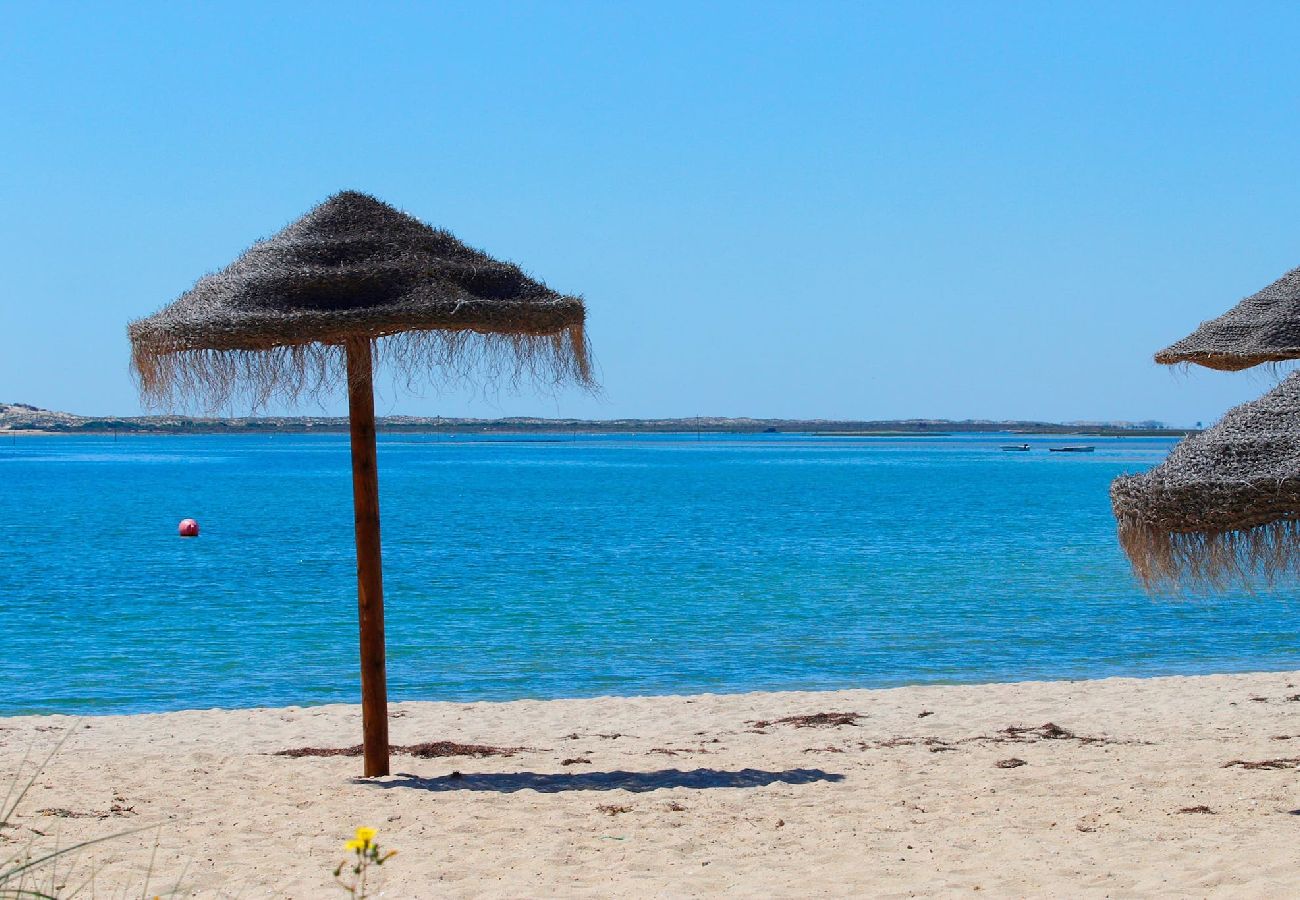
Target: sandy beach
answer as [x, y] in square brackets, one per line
[1117, 787]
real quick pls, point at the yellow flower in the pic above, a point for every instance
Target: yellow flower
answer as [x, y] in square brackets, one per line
[366, 835]
[354, 845]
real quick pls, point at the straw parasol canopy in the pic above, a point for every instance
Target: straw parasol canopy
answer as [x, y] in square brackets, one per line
[1225, 505]
[309, 308]
[274, 322]
[1263, 328]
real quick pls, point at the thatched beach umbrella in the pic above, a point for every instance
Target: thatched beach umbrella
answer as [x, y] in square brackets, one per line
[1264, 327]
[1225, 504]
[351, 278]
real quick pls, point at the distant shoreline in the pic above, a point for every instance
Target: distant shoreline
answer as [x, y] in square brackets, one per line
[25, 419]
[251, 431]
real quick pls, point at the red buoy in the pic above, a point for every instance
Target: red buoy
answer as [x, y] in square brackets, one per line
[189, 528]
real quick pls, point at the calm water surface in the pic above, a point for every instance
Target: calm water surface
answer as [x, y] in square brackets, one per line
[563, 567]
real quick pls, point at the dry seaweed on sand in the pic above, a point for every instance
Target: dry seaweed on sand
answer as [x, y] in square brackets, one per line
[1049, 731]
[437, 749]
[1283, 762]
[890, 743]
[117, 809]
[611, 809]
[674, 751]
[1012, 763]
[813, 720]
[1198, 810]
[429, 750]
[1012, 734]
[61, 813]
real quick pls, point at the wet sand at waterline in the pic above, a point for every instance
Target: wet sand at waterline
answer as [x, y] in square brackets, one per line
[1182, 786]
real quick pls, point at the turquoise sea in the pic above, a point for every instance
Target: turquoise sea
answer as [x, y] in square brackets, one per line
[569, 566]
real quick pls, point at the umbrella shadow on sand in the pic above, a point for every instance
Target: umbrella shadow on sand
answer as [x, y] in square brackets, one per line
[637, 782]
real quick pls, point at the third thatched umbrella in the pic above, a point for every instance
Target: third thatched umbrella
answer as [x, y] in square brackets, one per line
[298, 310]
[1264, 327]
[1225, 504]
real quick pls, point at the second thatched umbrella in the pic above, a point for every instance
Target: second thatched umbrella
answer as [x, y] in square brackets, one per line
[1262, 328]
[1225, 504]
[297, 311]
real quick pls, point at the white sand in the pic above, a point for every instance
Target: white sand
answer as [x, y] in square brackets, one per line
[788, 812]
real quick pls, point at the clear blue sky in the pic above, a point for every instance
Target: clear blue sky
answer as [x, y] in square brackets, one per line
[848, 210]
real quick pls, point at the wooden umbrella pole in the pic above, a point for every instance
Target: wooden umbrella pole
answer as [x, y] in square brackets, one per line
[370, 578]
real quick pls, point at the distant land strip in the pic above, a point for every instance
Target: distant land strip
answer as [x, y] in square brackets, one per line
[23, 417]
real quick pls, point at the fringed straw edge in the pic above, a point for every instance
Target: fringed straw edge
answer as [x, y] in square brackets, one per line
[254, 376]
[1171, 561]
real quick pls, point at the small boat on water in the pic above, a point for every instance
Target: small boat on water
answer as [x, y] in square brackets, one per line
[1015, 448]
[1086, 449]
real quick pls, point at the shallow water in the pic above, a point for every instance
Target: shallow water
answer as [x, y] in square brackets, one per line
[558, 566]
